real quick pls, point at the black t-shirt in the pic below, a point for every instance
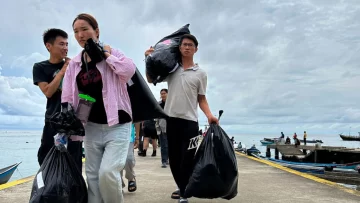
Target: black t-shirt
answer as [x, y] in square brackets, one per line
[45, 71]
[162, 104]
[91, 83]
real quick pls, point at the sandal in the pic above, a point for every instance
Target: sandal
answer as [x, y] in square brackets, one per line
[132, 186]
[175, 194]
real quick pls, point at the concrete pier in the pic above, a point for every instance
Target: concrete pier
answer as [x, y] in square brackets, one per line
[259, 182]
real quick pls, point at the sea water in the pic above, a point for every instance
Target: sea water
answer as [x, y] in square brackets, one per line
[22, 146]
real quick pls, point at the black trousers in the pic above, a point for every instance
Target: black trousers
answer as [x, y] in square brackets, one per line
[182, 144]
[47, 142]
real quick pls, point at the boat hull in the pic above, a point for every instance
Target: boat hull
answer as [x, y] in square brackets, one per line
[350, 138]
[7, 172]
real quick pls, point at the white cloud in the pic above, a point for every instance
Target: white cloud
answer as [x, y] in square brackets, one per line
[24, 62]
[20, 97]
[272, 65]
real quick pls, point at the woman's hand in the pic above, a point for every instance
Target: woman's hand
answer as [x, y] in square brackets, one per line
[107, 50]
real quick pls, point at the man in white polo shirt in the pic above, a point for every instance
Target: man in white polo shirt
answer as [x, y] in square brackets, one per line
[187, 89]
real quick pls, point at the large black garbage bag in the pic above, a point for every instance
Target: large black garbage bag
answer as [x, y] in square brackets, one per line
[59, 180]
[215, 173]
[143, 103]
[66, 121]
[164, 59]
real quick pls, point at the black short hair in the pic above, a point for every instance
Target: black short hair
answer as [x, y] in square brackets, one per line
[190, 37]
[166, 90]
[50, 35]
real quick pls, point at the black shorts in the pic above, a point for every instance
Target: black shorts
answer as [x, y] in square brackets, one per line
[150, 133]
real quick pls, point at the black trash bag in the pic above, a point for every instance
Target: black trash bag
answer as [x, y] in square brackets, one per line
[164, 60]
[94, 50]
[59, 180]
[215, 173]
[143, 103]
[66, 122]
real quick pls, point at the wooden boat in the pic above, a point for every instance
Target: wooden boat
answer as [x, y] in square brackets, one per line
[6, 173]
[273, 140]
[349, 137]
[322, 165]
[304, 168]
[311, 141]
[345, 177]
[264, 142]
[352, 166]
[327, 166]
[296, 166]
[252, 151]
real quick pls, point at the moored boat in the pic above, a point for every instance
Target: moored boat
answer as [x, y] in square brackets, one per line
[7, 172]
[253, 151]
[264, 142]
[349, 137]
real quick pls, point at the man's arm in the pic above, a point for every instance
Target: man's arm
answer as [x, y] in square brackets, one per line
[50, 88]
[204, 106]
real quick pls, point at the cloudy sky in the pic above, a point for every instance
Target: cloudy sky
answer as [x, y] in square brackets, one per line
[272, 65]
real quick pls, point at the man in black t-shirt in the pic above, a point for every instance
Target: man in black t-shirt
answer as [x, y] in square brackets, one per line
[48, 76]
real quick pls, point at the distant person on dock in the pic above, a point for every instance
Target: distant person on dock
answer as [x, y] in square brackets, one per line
[282, 138]
[187, 90]
[297, 142]
[48, 75]
[161, 131]
[305, 136]
[295, 135]
[232, 140]
[288, 141]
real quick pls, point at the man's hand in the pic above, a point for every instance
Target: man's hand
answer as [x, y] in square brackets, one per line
[213, 119]
[66, 64]
[136, 143]
[149, 51]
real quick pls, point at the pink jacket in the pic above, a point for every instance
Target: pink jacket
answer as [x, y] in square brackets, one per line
[115, 71]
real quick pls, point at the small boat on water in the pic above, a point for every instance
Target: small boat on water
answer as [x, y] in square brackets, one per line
[6, 173]
[312, 141]
[296, 166]
[267, 141]
[327, 166]
[264, 142]
[253, 151]
[350, 137]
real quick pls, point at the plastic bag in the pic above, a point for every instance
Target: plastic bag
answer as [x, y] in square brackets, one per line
[59, 180]
[164, 59]
[95, 50]
[215, 173]
[143, 103]
[61, 140]
[66, 122]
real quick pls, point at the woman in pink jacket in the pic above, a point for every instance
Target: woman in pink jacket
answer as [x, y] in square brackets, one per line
[108, 128]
